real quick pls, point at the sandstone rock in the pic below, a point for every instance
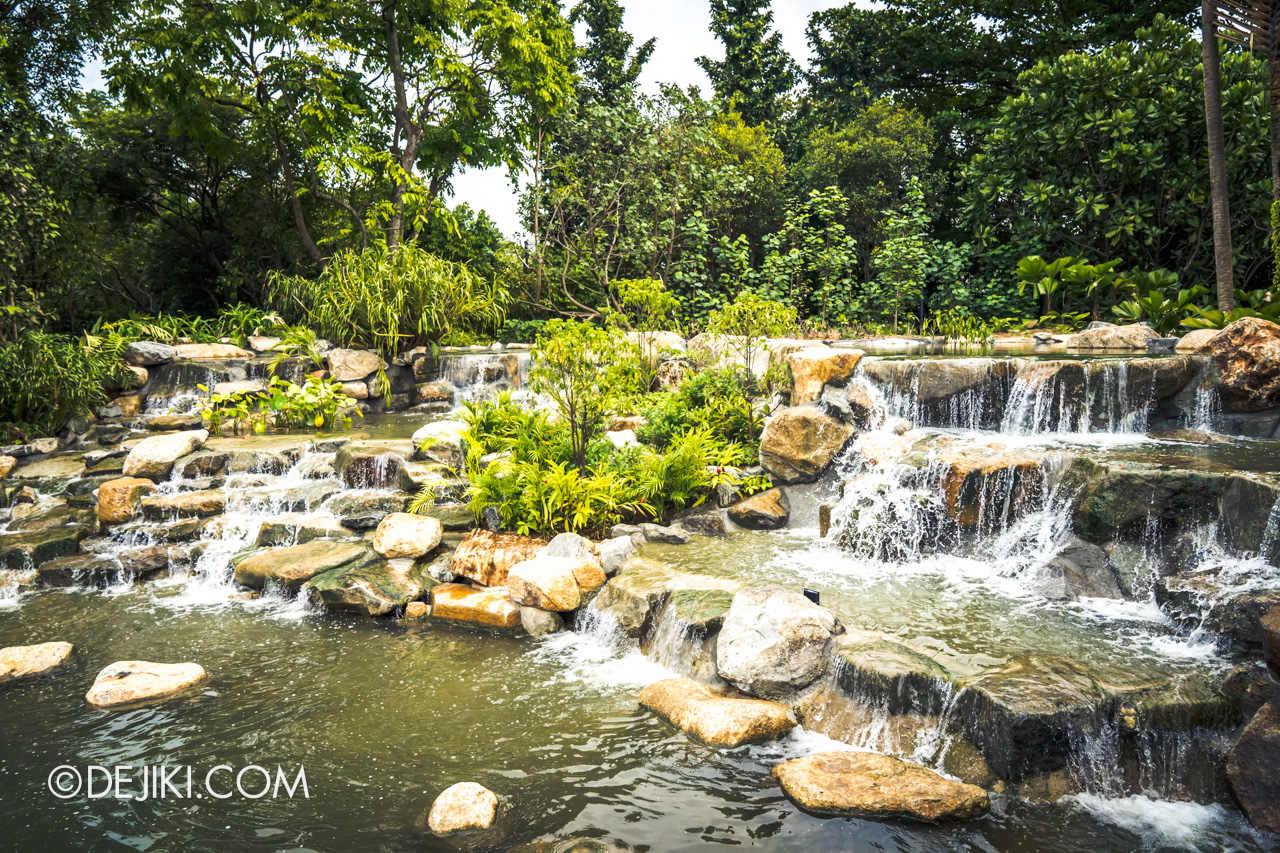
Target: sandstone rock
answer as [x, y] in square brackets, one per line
[631, 422]
[713, 718]
[1249, 687]
[775, 641]
[119, 500]
[184, 505]
[403, 535]
[767, 510]
[206, 463]
[798, 444]
[1251, 769]
[149, 353]
[133, 681]
[7, 464]
[211, 352]
[866, 784]
[1120, 495]
[1207, 601]
[570, 545]
[1247, 355]
[463, 603]
[441, 442]
[703, 522]
[291, 567]
[881, 672]
[464, 807]
[154, 457]
[548, 583]
[130, 405]
[356, 390]
[615, 552]
[365, 510]
[416, 610]
[486, 557]
[346, 365]
[540, 623]
[368, 465]
[878, 448]
[263, 343]
[989, 485]
[1110, 336]
[18, 663]
[1271, 640]
[1196, 340]
[371, 587]
[433, 392]
[140, 377]
[815, 367]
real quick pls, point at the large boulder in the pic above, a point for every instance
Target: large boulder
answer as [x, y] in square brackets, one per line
[486, 557]
[775, 641]
[1247, 355]
[131, 682]
[462, 808]
[462, 603]
[7, 464]
[867, 784]
[553, 583]
[18, 663]
[768, 510]
[212, 352]
[635, 597]
[442, 443]
[571, 545]
[293, 566]
[149, 353]
[1196, 340]
[119, 500]
[404, 535]
[1117, 495]
[1079, 570]
[154, 457]
[798, 444]
[31, 548]
[989, 484]
[346, 365]
[1101, 335]
[1251, 769]
[814, 367]
[371, 587]
[615, 552]
[716, 719]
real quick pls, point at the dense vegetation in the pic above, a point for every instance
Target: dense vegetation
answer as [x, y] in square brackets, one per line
[934, 167]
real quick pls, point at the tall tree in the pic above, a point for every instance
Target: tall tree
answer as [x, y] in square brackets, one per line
[609, 70]
[1218, 192]
[756, 71]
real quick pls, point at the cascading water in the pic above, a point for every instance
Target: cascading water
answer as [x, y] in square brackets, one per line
[480, 376]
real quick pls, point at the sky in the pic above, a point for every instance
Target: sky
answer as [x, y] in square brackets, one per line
[683, 33]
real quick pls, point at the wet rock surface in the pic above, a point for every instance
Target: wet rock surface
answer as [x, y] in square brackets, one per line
[767, 510]
[1251, 769]
[716, 719]
[291, 567]
[1247, 356]
[133, 682]
[20, 663]
[798, 444]
[774, 641]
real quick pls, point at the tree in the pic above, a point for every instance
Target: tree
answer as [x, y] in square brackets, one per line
[576, 365]
[900, 261]
[1103, 156]
[746, 324]
[1218, 191]
[609, 69]
[756, 71]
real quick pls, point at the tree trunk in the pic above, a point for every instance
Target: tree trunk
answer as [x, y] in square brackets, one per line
[1217, 158]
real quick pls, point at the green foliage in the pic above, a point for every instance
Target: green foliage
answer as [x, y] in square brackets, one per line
[1059, 282]
[644, 309]
[707, 400]
[745, 325]
[900, 261]
[577, 365]
[241, 322]
[1261, 303]
[756, 72]
[520, 331]
[316, 404]
[1150, 303]
[46, 379]
[298, 342]
[609, 70]
[390, 300]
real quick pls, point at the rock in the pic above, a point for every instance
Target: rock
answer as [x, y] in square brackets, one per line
[140, 377]
[570, 545]
[1079, 570]
[1189, 436]
[486, 557]
[1204, 600]
[631, 422]
[433, 392]
[798, 444]
[130, 405]
[622, 438]
[1248, 687]
[356, 390]
[18, 663]
[1110, 336]
[211, 352]
[540, 623]
[296, 528]
[767, 510]
[548, 583]
[882, 673]
[815, 367]
[464, 807]
[184, 505]
[263, 343]
[133, 681]
[715, 719]
[1115, 495]
[346, 365]
[453, 517]
[370, 587]
[416, 610]
[989, 485]
[702, 522]
[7, 464]
[206, 463]
[367, 465]
[149, 353]
[1271, 640]
[291, 567]
[98, 570]
[869, 785]
[154, 457]
[1251, 769]
[775, 641]
[403, 535]
[660, 535]
[1196, 340]
[615, 552]
[365, 510]
[119, 500]
[441, 442]
[1247, 355]
[463, 603]
[637, 595]
[241, 386]
[30, 549]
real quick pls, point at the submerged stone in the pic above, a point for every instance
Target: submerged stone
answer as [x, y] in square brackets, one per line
[866, 784]
[291, 567]
[372, 587]
[889, 675]
[716, 719]
[133, 682]
[19, 663]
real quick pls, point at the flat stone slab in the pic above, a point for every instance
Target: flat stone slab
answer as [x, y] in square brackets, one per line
[867, 784]
[18, 663]
[293, 566]
[714, 718]
[131, 682]
[462, 603]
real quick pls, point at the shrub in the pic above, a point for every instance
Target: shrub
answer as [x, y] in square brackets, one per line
[577, 366]
[47, 379]
[315, 404]
[709, 399]
[390, 300]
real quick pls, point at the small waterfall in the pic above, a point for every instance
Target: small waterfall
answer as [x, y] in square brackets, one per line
[481, 375]
[174, 390]
[1207, 415]
[1170, 764]
[1077, 398]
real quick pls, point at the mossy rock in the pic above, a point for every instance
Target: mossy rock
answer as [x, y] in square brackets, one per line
[29, 549]
[702, 610]
[372, 586]
[886, 673]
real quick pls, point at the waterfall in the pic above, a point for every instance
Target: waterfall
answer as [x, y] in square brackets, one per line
[481, 375]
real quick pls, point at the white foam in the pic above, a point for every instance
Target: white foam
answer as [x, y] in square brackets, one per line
[1186, 826]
